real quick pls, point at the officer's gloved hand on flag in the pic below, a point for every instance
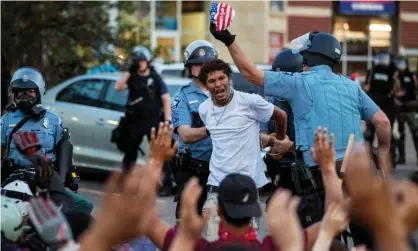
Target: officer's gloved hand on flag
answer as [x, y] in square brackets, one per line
[221, 16]
[29, 146]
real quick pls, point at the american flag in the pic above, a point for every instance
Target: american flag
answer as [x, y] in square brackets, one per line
[221, 14]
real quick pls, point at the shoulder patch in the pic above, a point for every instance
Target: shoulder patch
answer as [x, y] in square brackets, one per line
[176, 102]
[307, 72]
[288, 73]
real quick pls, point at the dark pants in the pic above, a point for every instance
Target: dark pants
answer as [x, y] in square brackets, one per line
[135, 132]
[412, 121]
[181, 180]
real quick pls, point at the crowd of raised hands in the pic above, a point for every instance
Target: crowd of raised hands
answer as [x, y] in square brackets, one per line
[387, 208]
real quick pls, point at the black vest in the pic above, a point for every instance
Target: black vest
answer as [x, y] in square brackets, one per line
[144, 99]
[381, 86]
[407, 83]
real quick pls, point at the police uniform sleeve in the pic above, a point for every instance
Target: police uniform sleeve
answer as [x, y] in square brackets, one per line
[58, 131]
[3, 131]
[261, 109]
[368, 106]
[280, 84]
[162, 85]
[180, 114]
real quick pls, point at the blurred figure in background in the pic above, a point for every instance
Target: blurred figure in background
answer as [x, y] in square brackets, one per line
[381, 85]
[148, 104]
[406, 100]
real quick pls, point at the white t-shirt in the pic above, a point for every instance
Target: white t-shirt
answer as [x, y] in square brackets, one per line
[234, 130]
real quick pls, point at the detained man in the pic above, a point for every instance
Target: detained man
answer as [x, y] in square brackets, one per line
[232, 119]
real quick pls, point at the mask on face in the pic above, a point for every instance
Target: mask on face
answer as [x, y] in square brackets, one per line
[27, 104]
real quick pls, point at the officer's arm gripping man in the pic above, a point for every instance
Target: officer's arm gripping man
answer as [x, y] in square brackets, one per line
[182, 122]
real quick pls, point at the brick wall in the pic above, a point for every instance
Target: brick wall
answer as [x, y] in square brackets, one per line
[408, 6]
[298, 26]
[408, 24]
[310, 3]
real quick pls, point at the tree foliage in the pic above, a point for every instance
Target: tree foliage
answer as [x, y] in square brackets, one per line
[56, 37]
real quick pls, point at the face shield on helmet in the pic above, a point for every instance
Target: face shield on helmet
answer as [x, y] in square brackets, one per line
[382, 59]
[199, 52]
[11, 220]
[301, 43]
[23, 81]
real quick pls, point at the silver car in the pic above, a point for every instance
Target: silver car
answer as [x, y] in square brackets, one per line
[91, 108]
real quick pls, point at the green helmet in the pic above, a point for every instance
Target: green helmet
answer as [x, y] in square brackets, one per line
[11, 220]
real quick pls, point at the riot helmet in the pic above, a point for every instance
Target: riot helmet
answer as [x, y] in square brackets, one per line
[199, 52]
[287, 61]
[24, 79]
[401, 63]
[382, 59]
[317, 48]
[19, 192]
[11, 220]
[140, 53]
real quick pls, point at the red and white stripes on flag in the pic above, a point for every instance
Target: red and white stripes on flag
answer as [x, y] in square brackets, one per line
[222, 15]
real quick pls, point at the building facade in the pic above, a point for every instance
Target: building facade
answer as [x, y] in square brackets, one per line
[263, 28]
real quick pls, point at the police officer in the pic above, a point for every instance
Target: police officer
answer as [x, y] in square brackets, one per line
[147, 96]
[28, 87]
[408, 106]
[189, 129]
[279, 169]
[381, 85]
[318, 96]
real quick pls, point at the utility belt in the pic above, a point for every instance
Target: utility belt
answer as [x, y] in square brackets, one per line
[184, 163]
[71, 177]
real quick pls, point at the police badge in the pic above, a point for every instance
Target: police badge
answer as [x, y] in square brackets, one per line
[45, 123]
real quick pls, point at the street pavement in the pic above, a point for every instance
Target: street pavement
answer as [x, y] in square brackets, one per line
[92, 188]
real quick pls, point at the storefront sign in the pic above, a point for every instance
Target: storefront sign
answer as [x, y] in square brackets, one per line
[275, 44]
[361, 7]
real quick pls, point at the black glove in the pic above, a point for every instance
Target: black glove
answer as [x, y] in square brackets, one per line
[224, 36]
[29, 146]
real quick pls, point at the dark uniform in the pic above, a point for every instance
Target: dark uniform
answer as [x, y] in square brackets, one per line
[143, 110]
[408, 107]
[381, 81]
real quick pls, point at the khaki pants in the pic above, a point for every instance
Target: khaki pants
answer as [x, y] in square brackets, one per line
[210, 233]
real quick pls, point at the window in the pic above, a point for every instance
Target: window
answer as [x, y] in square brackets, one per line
[172, 73]
[115, 100]
[85, 92]
[276, 6]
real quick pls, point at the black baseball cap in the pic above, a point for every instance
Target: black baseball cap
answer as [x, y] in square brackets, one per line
[238, 195]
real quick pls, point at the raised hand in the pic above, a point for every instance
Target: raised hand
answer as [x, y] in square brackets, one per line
[372, 202]
[127, 211]
[161, 149]
[192, 224]
[335, 220]
[283, 221]
[323, 153]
